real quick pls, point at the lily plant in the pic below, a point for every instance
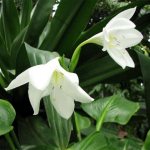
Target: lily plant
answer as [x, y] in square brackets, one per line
[51, 79]
[116, 36]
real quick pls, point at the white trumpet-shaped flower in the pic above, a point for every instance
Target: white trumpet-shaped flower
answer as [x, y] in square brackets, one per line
[51, 79]
[117, 35]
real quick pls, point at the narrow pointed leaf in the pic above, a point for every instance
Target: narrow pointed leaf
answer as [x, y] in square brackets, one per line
[39, 20]
[64, 15]
[10, 21]
[77, 25]
[145, 64]
[25, 12]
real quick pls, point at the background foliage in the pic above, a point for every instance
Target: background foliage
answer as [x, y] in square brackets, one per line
[47, 31]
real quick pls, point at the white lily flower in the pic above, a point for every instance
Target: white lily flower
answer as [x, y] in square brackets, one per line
[51, 79]
[117, 35]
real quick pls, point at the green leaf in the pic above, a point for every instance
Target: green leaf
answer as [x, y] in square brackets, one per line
[145, 65]
[111, 109]
[60, 128]
[64, 15]
[39, 133]
[77, 25]
[82, 121]
[146, 145]
[37, 56]
[25, 12]
[7, 116]
[16, 45]
[10, 21]
[101, 141]
[39, 20]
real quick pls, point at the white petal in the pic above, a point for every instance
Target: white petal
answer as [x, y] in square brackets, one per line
[75, 91]
[120, 23]
[21, 79]
[35, 96]
[126, 13]
[70, 85]
[128, 38]
[63, 104]
[40, 76]
[96, 39]
[71, 76]
[121, 57]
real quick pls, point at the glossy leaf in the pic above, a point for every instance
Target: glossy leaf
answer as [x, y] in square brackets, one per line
[111, 109]
[10, 21]
[101, 141]
[146, 145]
[78, 25]
[16, 45]
[64, 15]
[7, 116]
[35, 126]
[39, 20]
[25, 13]
[82, 121]
[145, 64]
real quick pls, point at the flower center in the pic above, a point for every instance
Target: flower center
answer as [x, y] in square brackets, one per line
[113, 41]
[57, 78]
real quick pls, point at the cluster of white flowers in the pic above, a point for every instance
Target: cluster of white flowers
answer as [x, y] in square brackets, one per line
[63, 86]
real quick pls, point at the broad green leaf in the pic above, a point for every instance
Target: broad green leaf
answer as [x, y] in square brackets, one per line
[145, 64]
[111, 109]
[77, 25]
[10, 21]
[146, 145]
[39, 20]
[102, 69]
[64, 15]
[60, 128]
[101, 141]
[39, 147]
[25, 13]
[39, 133]
[37, 56]
[7, 116]
[82, 121]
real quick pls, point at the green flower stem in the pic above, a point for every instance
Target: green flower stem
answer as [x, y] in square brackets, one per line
[10, 142]
[76, 55]
[15, 139]
[77, 127]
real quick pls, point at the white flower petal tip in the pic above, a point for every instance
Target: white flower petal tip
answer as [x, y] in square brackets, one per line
[51, 79]
[126, 13]
[117, 35]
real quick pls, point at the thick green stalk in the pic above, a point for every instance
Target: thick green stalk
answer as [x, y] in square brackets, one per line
[75, 56]
[15, 139]
[77, 127]
[10, 142]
